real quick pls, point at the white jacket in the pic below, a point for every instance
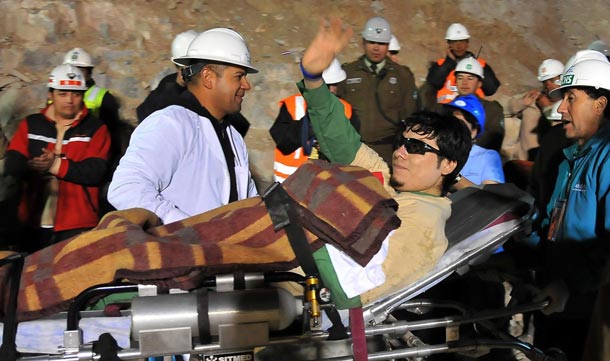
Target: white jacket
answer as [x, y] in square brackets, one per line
[175, 167]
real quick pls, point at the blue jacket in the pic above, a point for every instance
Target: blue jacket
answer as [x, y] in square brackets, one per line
[584, 181]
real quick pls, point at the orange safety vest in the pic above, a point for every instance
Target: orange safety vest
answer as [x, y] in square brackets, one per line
[449, 91]
[286, 164]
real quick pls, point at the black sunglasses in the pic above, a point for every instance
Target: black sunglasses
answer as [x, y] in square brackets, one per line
[415, 146]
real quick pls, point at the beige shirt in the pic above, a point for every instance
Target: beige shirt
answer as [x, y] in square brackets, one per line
[420, 241]
[529, 115]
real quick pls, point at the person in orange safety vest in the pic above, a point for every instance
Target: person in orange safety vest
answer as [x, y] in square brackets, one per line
[441, 74]
[292, 133]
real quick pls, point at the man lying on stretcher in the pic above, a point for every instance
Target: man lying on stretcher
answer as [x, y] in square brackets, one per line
[428, 156]
[343, 206]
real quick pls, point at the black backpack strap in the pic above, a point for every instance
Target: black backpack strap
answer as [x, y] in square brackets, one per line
[8, 351]
[283, 215]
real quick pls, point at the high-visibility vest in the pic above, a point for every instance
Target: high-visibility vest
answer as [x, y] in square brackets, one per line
[93, 99]
[286, 164]
[449, 90]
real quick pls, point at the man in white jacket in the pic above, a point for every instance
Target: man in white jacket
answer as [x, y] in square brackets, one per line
[187, 158]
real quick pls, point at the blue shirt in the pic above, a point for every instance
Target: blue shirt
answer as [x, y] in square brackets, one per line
[483, 165]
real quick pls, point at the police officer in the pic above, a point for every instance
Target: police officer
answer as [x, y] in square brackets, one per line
[381, 91]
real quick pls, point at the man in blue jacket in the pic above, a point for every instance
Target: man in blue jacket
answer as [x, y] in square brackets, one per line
[577, 244]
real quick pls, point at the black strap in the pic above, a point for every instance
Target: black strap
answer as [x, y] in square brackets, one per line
[306, 139]
[8, 351]
[283, 215]
[338, 330]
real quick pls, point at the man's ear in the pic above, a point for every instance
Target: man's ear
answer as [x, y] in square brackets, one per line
[448, 166]
[600, 105]
[208, 77]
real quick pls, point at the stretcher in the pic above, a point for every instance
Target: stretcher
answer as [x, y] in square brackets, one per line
[244, 316]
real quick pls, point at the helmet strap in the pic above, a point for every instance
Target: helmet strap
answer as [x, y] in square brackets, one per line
[191, 70]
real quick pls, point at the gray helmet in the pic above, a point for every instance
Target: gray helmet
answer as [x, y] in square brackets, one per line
[377, 29]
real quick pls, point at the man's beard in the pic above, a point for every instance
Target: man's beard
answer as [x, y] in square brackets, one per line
[395, 183]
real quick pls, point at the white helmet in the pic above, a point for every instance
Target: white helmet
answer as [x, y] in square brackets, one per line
[590, 73]
[181, 43]
[377, 29]
[78, 57]
[549, 69]
[586, 54]
[601, 46]
[67, 77]
[457, 31]
[470, 65]
[554, 114]
[334, 73]
[218, 45]
[394, 44]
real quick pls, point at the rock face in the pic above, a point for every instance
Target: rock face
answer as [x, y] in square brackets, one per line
[130, 44]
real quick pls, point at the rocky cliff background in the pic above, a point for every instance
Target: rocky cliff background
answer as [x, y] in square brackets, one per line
[130, 43]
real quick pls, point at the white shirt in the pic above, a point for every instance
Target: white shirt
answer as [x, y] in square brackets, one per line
[175, 167]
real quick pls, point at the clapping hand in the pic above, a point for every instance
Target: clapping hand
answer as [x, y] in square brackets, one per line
[43, 162]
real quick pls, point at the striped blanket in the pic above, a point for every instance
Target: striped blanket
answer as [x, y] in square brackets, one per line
[341, 205]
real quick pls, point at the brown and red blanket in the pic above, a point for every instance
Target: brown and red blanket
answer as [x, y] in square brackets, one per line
[342, 205]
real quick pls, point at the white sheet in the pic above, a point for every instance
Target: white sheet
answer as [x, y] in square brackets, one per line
[45, 335]
[355, 279]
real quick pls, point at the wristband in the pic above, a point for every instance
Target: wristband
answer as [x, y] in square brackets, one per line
[307, 75]
[457, 178]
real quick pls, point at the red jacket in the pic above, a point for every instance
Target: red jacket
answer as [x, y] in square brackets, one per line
[82, 170]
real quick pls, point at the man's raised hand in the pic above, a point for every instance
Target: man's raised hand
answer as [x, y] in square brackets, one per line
[333, 35]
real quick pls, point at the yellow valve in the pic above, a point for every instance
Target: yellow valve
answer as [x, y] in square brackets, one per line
[310, 294]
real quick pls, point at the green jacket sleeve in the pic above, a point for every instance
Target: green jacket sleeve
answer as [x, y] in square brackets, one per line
[330, 279]
[338, 139]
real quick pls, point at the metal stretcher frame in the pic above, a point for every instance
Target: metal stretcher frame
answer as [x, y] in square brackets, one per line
[489, 240]
[377, 316]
